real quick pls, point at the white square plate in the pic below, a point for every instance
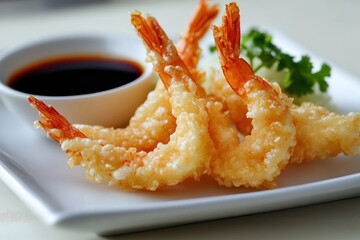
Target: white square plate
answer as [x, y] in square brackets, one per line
[35, 168]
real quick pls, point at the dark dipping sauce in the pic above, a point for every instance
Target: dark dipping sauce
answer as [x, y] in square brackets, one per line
[75, 75]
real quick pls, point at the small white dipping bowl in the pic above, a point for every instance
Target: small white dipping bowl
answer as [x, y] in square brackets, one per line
[109, 108]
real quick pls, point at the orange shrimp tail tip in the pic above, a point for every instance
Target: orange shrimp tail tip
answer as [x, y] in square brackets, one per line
[227, 41]
[158, 45]
[203, 17]
[188, 44]
[145, 29]
[199, 24]
[153, 37]
[54, 124]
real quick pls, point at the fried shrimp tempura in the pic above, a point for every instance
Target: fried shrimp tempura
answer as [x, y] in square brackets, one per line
[259, 158]
[321, 133]
[186, 155]
[153, 121]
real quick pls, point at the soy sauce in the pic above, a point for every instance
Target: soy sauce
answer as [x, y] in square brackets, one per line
[74, 75]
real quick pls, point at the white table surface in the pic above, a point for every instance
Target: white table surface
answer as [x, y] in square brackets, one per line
[328, 28]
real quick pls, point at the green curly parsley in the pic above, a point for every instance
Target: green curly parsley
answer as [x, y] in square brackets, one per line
[299, 79]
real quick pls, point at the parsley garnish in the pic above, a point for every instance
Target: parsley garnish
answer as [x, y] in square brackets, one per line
[299, 79]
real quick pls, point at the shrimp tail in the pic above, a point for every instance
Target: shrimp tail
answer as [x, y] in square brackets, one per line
[157, 43]
[227, 41]
[54, 124]
[188, 44]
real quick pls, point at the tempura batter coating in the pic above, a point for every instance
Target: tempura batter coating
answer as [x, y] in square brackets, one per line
[151, 124]
[321, 133]
[218, 87]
